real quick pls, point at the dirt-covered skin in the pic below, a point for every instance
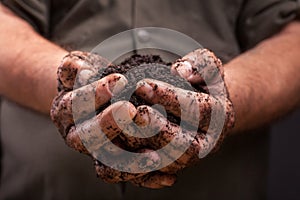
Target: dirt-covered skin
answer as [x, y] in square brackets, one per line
[128, 90]
[86, 133]
[138, 67]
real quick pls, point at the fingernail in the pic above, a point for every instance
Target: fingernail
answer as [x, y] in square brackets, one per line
[119, 85]
[185, 69]
[144, 89]
[84, 76]
[124, 112]
[142, 118]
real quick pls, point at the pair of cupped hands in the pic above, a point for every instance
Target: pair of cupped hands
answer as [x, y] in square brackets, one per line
[142, 128]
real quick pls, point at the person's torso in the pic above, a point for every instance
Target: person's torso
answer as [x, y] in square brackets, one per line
[37, 164]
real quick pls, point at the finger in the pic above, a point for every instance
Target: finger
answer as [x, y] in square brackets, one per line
[199, 148]
[155, 180]
[204, 70]
[82, 64]
[192, 107]
[111, 175]
[185, 146]
[92, 134]
[177, 147]
[200, 67]
[78, 104]
[116, 147]
[159, 130]
[150, 128]
[114, 169]
[147, 124]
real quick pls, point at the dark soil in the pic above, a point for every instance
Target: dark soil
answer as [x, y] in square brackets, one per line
[138, 67]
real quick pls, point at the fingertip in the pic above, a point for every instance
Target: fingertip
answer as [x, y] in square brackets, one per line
[168, 180]
[116, 117]
[156, 180]
[183, 68]
[117, 83]
[142, 118]
[144, 90]
[123, 112]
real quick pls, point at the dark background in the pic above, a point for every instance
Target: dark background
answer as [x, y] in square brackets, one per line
[284, 174]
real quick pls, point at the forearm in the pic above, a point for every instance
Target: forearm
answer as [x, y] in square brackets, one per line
[28, 64]
[264, 83]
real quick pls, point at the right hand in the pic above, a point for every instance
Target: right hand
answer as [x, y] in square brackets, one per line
[87, 65]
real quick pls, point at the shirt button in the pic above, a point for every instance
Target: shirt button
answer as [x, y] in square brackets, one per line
[143, 36]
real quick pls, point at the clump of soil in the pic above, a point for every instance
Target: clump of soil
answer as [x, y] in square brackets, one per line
[138, 67]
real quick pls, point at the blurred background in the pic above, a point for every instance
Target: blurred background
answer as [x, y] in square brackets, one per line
[284, 174]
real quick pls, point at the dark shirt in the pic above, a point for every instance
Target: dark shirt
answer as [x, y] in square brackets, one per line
[35, 162]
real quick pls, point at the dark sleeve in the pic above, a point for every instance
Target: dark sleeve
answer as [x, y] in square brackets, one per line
[259, 20]
[0, 138]
[35, 12]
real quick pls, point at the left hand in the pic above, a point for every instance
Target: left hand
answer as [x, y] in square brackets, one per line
[203, 70]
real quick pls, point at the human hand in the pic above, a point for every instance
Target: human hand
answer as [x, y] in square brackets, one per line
[198, 109]
[77, 77]
[147, 118]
